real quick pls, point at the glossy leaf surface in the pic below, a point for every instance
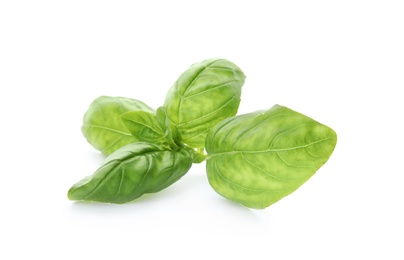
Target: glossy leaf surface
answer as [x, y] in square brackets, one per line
[258, 158]
[132, 171]
[102, 124]
[204, 95]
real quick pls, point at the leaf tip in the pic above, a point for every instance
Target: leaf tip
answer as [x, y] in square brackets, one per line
[72, 194]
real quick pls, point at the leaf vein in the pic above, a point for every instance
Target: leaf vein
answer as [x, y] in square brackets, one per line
[208, 114]
[120, 183]
[206, 90]
[108, 129]
[270, 150]
[264, 171]
[188, 87]
[241, 186]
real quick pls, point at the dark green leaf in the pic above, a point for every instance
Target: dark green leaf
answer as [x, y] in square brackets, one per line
[132, 171]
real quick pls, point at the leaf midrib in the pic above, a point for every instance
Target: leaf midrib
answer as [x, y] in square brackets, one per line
[190, 85]
[268, 150]
[109, 129]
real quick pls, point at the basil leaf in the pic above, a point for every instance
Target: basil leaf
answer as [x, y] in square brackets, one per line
[204, 95]
[102, 125]
[199, 155]
[170, 131]
[256, 159]
[144, 127]
[171, 134]
[132, 171]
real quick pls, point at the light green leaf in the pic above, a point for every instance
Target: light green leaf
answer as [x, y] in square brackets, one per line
[204, 95]
[199, 155]
[144, 127]
[102, 124]
[258, 158]
[170, 131]
[132, 171]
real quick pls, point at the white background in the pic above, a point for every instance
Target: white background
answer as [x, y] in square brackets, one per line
[339, 62]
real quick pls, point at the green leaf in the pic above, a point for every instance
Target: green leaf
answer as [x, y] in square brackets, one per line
[102, 124]
[256, 159]
[132, 171]
[170, 131]
[204, 95]
[144, 127]
[199, 155]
